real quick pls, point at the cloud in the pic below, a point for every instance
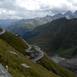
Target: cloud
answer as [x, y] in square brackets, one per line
[34, 8]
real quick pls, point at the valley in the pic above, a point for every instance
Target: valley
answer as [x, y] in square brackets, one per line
[14, 52]
[46, 50]
[38, 38]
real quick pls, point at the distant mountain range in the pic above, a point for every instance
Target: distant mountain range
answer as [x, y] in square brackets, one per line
[32, 23]
[24, 27]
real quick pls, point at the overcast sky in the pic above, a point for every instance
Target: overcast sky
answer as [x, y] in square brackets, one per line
[34, 8]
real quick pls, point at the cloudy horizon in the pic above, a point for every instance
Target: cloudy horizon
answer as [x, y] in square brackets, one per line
[34, 8]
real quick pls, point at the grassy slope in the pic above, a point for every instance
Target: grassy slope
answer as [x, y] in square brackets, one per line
[14, 62]
[14, 41]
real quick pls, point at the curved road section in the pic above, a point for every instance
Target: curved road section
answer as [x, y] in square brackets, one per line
[35, 53]
[40, 54]
[2, 32]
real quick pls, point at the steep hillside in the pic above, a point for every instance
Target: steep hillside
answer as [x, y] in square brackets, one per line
[14, 41]
[14, 62]
[13, 54]
[59, 35]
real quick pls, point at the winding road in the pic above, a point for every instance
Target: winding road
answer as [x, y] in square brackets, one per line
[40, 55]
[2, 32]
[37, 50]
